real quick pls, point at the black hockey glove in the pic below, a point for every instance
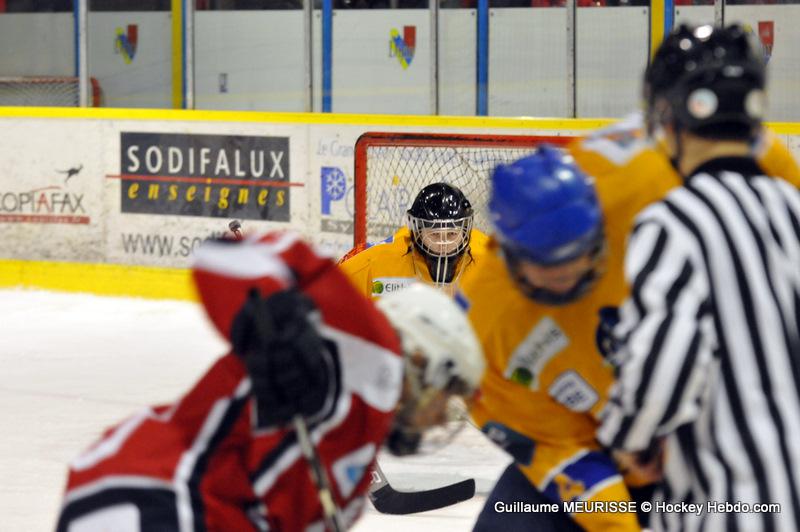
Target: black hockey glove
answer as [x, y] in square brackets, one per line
[292, 369]
[607, 343]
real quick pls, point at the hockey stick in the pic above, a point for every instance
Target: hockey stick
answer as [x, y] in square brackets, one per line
[388, 500]
[330, 512]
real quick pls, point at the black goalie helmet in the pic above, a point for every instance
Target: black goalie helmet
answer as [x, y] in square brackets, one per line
[707, 80]
[440, 220]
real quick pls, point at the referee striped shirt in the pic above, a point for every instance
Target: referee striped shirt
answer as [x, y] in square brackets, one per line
[710, 356]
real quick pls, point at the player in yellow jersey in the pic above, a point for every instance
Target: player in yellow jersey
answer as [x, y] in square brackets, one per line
[554, 260]
[536, 315]
[437, 247]
[624, 147]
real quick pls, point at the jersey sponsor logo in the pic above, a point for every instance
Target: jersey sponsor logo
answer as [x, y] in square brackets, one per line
[387, 285]
[544, 342]
[572, 391]
[349, 469]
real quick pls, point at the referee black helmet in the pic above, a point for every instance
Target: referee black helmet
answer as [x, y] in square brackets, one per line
[707, 80]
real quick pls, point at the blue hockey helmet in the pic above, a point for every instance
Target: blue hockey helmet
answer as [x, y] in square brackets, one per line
[545, 210]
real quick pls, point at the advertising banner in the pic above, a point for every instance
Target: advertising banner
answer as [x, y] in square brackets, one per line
[149, 191]
[219, 176]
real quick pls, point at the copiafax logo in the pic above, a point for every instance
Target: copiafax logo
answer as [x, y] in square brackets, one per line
[403, 47]
[125, 43]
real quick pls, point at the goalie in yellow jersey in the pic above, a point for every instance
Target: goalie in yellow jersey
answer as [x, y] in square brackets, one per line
[554, 260]
[437, 247]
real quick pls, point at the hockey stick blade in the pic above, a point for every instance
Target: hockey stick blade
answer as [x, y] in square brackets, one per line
[388, 500]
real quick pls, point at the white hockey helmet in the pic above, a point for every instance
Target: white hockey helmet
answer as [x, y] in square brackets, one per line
[432, 324]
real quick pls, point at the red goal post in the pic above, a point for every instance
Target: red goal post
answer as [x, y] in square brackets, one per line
[46, 91]
[390, 168]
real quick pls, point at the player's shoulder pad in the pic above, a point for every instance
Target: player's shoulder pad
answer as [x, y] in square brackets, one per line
[618, 143]
[629, 123]
[374, 252]
[389, 240]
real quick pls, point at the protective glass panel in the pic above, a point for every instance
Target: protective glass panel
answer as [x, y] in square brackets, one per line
[778, 30]
[381, 61]
[612, 46]
[250, 55]
[457, 58]
[130, 52]
[37, 53]
[528, 61]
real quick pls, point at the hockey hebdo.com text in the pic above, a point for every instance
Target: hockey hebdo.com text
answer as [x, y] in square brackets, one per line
[159, 245]
[580, 506]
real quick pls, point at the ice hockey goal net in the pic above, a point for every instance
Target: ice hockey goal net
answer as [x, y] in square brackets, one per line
[39, 91]
[390, 168]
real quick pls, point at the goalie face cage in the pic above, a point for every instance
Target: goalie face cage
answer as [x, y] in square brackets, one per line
[391, 168]
[46, 91]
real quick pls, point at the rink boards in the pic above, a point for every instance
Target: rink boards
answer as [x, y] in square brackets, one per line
[114, 200]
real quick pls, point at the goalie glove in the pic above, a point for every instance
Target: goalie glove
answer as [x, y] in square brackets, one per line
[293, 370]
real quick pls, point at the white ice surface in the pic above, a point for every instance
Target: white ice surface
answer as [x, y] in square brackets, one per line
[72, 364]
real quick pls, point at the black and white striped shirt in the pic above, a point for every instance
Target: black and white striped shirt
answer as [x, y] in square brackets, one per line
[711, 347]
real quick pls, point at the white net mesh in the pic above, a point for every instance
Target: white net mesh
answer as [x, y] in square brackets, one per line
[395, 174]
[43, 91]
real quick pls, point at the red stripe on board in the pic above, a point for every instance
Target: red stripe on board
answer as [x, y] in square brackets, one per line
[43, 219]
[202, 180]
